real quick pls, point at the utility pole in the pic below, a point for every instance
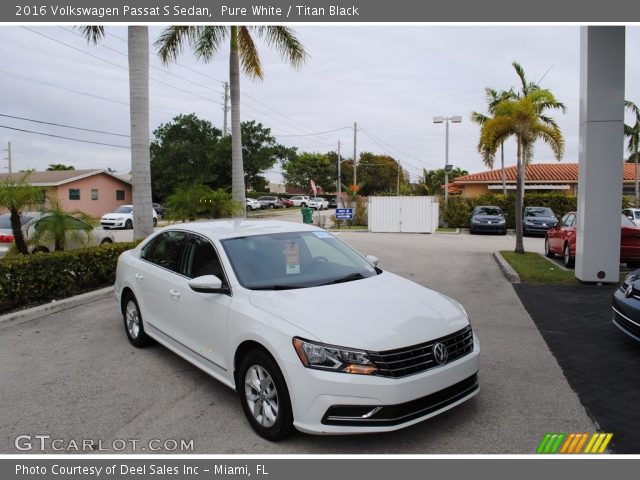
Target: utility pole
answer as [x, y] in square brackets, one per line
[225, 108]
[339, 177]
[355, 131]
[8, 150]
[398, 163]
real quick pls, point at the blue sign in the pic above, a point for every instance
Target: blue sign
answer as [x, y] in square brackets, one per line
[344, 213]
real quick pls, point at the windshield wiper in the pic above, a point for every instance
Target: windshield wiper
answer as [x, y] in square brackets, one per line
[349, 278]
[277, 287]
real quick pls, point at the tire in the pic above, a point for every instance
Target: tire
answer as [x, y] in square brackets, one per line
[106, 241]
[40, 249]
[133, 325]
[566, 257]
[547, 251]
[155, 222]
[262, 389]
[303, 205]
[128, 225]
[271, 205]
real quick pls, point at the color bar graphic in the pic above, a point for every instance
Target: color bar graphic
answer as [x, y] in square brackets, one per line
[573, 443]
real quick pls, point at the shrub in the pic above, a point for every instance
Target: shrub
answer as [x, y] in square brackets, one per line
[27, 280]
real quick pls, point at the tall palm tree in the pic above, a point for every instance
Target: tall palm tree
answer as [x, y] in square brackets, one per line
[138, 53]
[493, 99]
[632, 132]
[206, 41]
[17, 195]
[523, 118]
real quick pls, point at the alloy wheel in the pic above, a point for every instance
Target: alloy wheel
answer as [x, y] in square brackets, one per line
[261, 396]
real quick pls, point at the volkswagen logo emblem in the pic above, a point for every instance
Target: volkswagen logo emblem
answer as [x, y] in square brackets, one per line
[629, 291]
[440, 353]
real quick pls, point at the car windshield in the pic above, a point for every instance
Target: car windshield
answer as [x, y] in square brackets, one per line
[488, 211]
[123, 210]
[5, 221]
[281, 261]
[538, 212]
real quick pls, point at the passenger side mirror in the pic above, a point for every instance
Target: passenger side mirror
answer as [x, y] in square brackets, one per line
[373, 260]
[207, 284]
[630, 217]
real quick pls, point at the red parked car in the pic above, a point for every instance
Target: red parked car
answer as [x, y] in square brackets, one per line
[561, 240]
[286, 202]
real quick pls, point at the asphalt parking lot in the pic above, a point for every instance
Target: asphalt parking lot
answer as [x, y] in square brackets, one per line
[73, 374]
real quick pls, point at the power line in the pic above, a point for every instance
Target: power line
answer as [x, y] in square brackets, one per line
[60, 136]
[64, 126]
[313, 134]
[392, 147]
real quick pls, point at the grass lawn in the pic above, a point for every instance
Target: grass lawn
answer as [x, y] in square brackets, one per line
[447, 230]
[532, 268]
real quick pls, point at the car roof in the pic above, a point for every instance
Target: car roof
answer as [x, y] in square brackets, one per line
[222, 229]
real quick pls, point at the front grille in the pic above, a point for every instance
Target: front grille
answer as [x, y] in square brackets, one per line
[418, 358]
[389, 415]
[634, 293]
[628, 325]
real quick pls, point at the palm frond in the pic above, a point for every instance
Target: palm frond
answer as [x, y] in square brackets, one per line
[249, 57]
[93, 33]
[171, 42]
[479, 118]
[207, 41]
[285, 41]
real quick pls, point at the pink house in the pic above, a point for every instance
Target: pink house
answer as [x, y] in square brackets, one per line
[94, 192]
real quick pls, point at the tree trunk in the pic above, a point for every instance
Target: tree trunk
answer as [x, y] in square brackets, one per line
[139, 112]
[237, 167]
[635, 161]
[504, 181]
[16, 226]
[519, 198]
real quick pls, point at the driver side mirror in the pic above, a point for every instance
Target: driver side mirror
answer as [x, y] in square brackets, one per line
[373, 260]
[207, 284]
[630, 217]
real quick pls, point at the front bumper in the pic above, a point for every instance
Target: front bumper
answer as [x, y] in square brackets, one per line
[488, 227]
[626, 314]
[328, 402]
[112, 223]
[539, 229]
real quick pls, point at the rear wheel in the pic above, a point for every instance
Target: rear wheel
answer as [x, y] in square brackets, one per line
[40, 249]
[566, 257]
[106, 241]
[264, 396]
[128, 224]
[547, 250]
[133, 325]
[155, 222]
[303, 205]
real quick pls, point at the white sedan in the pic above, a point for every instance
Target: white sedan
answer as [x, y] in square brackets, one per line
[122, 217]
[318, 203]
[252, 204]
[312, 334]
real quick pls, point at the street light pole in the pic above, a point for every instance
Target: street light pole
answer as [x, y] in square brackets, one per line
[447, 167]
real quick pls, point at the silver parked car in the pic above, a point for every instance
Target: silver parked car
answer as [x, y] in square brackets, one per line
[83, 235]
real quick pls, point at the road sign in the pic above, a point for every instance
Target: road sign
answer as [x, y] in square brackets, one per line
[344, 213]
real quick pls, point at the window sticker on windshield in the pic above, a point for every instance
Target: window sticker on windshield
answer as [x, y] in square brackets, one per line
[292, 258]
[322, 234]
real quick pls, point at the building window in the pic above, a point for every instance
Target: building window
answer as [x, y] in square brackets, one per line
[94, 194]
[119, 194]
[74, 194]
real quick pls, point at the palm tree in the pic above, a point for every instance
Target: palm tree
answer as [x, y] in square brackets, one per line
[205, 42]
[493, 99]
[633, 133]
[16, 195]
[523, 118]
[138, 52]
[57, 226]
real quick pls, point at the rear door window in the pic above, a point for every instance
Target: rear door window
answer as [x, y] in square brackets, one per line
[166, 250]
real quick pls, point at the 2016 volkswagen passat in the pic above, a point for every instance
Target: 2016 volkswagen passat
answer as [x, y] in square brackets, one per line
[310, 333]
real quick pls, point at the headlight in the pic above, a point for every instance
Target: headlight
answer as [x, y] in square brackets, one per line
[528, 222]
[473, 220]
[332, 358]
[500, 222]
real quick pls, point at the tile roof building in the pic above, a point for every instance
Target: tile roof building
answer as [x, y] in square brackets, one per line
[539, 177]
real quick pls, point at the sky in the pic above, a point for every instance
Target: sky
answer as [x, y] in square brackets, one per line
[391, 80]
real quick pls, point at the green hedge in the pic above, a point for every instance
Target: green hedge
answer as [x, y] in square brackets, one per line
[27, 280]
[457, 215]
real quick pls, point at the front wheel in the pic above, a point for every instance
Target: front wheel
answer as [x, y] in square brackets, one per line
[264, 396]
[303, 205]
[128, 224]
[155, 222]
[568, 261]
[547, 250]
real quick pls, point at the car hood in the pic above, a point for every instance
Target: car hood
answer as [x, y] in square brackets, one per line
[114, 216]
[377, 313]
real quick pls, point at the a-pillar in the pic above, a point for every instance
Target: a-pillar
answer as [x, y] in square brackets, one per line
[601, 153]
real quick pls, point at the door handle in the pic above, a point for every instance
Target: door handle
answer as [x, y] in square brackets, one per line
[139, 277]
[174, 293]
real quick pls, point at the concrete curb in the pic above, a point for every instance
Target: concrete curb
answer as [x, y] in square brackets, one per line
[509, 272]
[57, 306]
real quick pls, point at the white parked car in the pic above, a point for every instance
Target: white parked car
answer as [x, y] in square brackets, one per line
[300, 200]
[122, 217]
[252, 204]
[82, 235]
[311, 334]
[318, 203]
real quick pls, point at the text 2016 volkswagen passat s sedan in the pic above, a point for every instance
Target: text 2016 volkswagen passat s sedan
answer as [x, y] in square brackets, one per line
[310, 333]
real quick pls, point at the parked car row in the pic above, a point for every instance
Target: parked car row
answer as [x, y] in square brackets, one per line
[269, 201]
[122, 217]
